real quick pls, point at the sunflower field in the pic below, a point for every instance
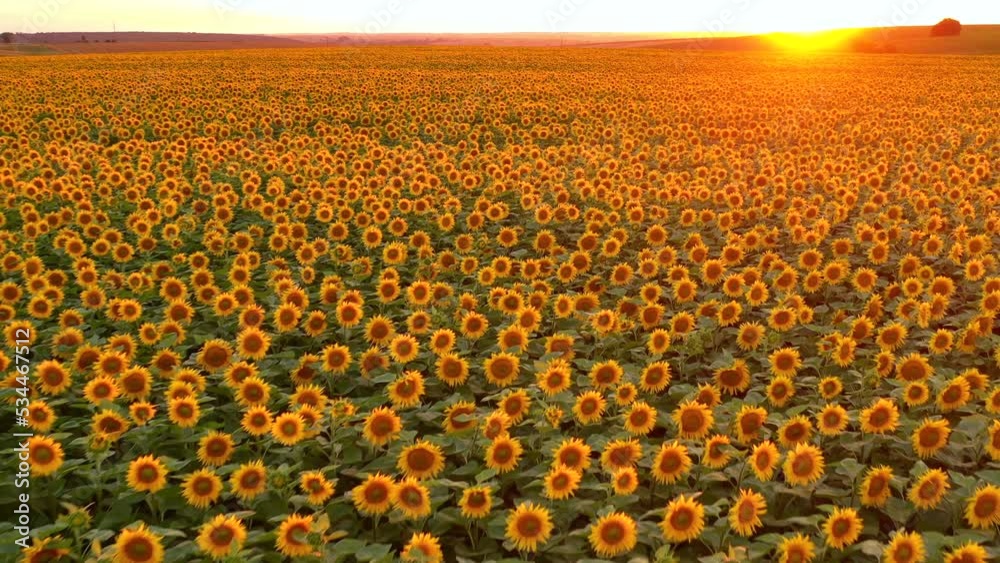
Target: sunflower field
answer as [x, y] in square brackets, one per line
[459, 304]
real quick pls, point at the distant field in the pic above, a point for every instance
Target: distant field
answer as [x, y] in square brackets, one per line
[495, 305]
[974, 40]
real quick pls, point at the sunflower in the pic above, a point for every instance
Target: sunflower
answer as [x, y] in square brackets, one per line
[404, 348]
[832, 420]
[658, 341]
[287, 317]
[288, 428]
[379, 330]
[930, 436]
[763, 459]
[184, 411]
[442, 341]
[716, 455]
[781, 319]
[138, 545]
[293, 536]
[613, 534]
[215, 355]
[40, 417]
[796, 549]
[993, 441]
[257, 420]
[693, 420]
[515, 405]
[349, 314]
[381, 426]
[452, 369]
[983, 508]
[502, 369]
[555, 378]
[101, 388]
[749, 422]
[745, 512]
[625, 394]
[249, 480]
[476, 502]
[495, 424]
[880, 418]
[336, 358]
[969, 552]
[503, 453]
[423, 548]
[891, 337]
[941, 342]
[640, 419]
[804, 464]
[620, 453]
[589, 407]
[109, 425]
[253, 343]
[928, 490]
[655, 377]
[842, 527]
[733, 379]
[683, 520]
[53, 377]
[474, 325]
[406, 390]
[572, 453]
[222, 536]
[412, 499]
[916, 394]
[561, 482]
[201, 488]
[422, 460]
[460, 417]
[780, 390]
[215, 448]
[147, 474]
[316, 487]
[45, 550]
[135, 382]
[625, 481]
[830, 387]
[905, 547]
[374, 495]
[605, 374]
[954, 395]
[875, 488]
[45, 455]
[785, 362]
[528, 526]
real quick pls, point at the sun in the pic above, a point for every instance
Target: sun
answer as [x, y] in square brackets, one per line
[810, 41]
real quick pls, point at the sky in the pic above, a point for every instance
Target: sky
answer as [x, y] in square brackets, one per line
[713, 17]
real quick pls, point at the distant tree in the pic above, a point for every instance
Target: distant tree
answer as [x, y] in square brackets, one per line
[7, 37]
[83, 39]
[946, 27]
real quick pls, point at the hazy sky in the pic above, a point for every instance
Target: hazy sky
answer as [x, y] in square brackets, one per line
[452, 16]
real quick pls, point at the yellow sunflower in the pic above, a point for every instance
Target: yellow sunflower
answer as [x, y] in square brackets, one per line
[528, 526]
[613, 534]
[683, 520]
[222, 536]
[745, 512]
[138, 545]
[842, 527]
